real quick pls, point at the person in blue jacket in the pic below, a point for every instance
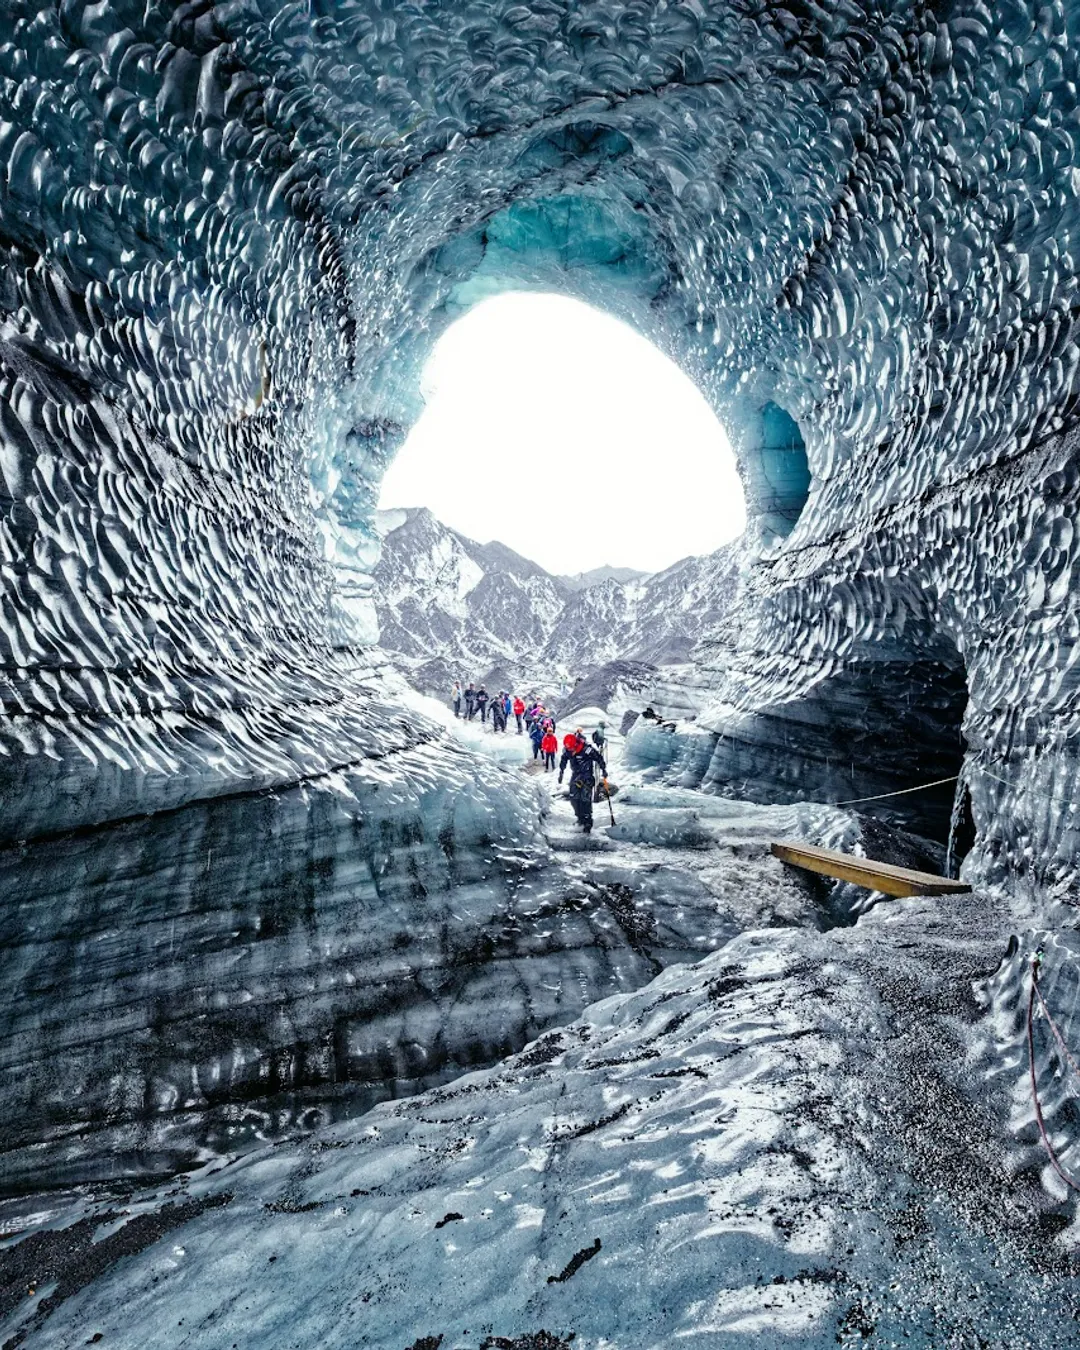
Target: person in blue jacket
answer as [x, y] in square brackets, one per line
[536, 735]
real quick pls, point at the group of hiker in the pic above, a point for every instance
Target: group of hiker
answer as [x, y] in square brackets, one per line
[582, 759]
[540, 725]
[470, 701]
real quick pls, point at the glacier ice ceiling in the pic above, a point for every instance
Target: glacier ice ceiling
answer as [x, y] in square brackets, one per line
[232, 235]
[234, 866]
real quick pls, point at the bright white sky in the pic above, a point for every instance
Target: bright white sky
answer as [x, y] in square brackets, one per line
[561, 432]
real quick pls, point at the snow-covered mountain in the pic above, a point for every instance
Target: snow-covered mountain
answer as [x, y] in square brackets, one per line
[579, 580]
[450, 607]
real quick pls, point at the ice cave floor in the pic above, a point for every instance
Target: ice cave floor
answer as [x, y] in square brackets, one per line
[820, 1133]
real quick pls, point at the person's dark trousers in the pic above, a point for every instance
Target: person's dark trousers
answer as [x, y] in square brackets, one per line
[536, 749]
[549, 760]
[483, 712]
[470, 708]
[518, 716]
[457, 707]
[581, 801]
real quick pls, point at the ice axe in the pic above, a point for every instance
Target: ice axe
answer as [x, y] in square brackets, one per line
[607, 794]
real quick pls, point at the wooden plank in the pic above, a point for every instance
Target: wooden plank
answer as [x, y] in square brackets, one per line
[875, 876]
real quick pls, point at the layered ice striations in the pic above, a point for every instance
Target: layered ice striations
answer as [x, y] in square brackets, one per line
[265, 961]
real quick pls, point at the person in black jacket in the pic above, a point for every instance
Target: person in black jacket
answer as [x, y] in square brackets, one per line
[498, 712]
[583, 759]
[482, 702]
[470, 702]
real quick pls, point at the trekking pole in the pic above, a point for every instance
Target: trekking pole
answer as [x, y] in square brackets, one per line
[607, 794]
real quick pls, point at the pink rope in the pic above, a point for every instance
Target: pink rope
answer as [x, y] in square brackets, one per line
[1057, 1034]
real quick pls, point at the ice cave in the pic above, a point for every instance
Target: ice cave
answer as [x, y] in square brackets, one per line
[321, 1027]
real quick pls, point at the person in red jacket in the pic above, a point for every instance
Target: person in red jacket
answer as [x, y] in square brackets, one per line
[519, 710]
[549, 747]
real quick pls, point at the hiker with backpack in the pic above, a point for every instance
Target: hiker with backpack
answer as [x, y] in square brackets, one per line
[482, 702]
[498, 713]
[584, 760]
[536, 735]
[549, 747]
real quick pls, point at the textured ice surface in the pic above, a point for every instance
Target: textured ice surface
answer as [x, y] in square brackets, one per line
[810, 1136]
[229, 235]
[775, 1146]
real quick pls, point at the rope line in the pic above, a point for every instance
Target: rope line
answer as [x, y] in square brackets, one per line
[921, 787]
[1057, 1034]
[1035, 991]
[903, 792]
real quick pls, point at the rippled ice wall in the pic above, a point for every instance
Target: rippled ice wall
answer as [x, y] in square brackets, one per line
[231, 233]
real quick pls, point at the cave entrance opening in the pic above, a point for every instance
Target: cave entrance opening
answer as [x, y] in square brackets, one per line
[556, 429]
[883, 736]
[909, 717]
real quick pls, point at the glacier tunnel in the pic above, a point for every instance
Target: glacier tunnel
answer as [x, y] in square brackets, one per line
[237, 870]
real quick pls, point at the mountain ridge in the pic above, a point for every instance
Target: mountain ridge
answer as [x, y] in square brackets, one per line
[579, 581]
[449, 607]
